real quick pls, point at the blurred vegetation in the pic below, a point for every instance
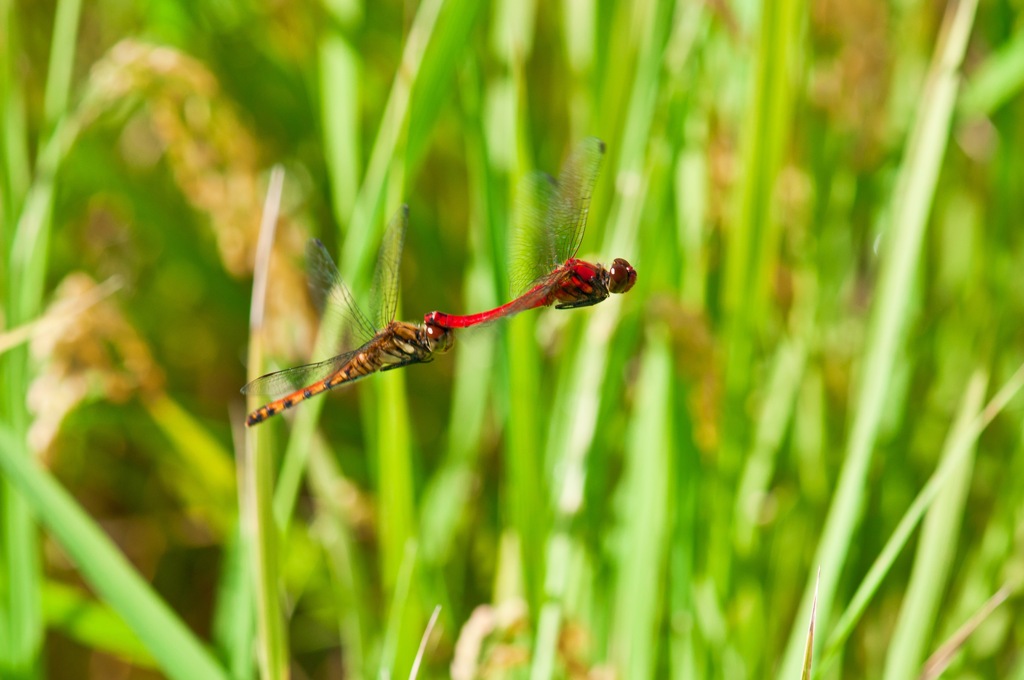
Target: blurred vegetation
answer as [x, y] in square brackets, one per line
[815, 373]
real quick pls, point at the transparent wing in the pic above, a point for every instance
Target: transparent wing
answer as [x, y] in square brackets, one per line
[291, 379]
[533, 253]
[333, 299]
[567, 215]
[384, 293]
[535, 293]
[552, 215]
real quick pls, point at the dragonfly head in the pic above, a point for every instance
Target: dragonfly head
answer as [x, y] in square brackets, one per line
[621, 276]
[437, 338]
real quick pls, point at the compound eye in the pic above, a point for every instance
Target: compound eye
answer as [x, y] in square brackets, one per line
[622, 276]
[441, 337]
[435, 332]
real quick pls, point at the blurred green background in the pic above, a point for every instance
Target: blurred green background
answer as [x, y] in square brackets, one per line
[814, 377]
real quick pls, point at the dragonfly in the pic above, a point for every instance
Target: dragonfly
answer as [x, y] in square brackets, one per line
[386, 344]
[545, 269]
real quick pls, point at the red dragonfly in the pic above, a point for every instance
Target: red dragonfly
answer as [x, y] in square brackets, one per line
[545, 270]
[386, 344]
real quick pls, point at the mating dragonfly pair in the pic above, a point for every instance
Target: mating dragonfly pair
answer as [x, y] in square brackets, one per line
[546, 273]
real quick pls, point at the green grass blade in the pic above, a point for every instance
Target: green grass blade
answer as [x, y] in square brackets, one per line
[643, 506]
[433, 87]
[256, 495]
[446, 499]
[15, 173]
[685, 546]
[936, 547]
[210, 487]
[105, 569]
[234, 615]
[263, 540]
[911, 204]
[754, 237]
[960, 445]
[353, 588]
[523, 497]
[527, 509]
[62, 58]
[30, 245]
[340, 84]
[26, 268]
[996, 81]
[393, 441]
[361, 237]
[772, 422]
[578, 400]
[394, 648]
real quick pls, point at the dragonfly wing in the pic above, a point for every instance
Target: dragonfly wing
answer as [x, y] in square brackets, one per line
[567, 215]
[533, 244]
[536, 294]
[332, 296]
[292, 379]
[384, 293]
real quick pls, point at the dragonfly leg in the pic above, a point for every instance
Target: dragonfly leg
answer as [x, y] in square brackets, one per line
[406, 362]
[577, 304]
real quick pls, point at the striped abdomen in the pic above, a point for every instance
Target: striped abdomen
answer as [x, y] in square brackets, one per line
[357, 367]
[400, 344]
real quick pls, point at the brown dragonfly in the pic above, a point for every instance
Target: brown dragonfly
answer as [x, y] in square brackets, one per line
[386, 344]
